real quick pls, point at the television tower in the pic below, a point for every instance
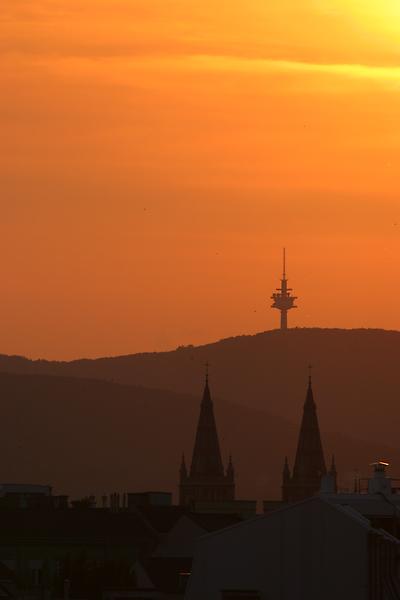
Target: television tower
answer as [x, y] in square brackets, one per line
[283, 299]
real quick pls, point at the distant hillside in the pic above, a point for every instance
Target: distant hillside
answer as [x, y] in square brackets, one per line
[89, 436]
[356, 375]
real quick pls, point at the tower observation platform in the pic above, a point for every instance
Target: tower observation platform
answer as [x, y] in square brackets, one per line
[283, 299]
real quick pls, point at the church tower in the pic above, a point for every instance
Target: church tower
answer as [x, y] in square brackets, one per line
[207, 481]
[309, 467]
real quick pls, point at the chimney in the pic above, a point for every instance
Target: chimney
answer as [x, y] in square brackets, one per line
[379, 482]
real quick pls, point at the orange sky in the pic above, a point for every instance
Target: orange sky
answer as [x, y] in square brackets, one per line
[156, 155]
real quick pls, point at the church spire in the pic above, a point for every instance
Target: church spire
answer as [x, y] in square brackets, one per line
[206, 481]
[309, 467]
[206, 454]
[310, 462]
[310, 394]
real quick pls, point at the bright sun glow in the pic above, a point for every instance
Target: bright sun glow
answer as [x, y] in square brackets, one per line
[377, 8]
[376, 12]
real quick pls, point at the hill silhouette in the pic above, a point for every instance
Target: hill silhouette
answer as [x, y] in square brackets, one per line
[89, 436]
[355, 374]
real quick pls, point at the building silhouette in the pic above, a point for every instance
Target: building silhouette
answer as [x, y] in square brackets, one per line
[317, 549]
[207, 481]
[283, 299]
[309, 469]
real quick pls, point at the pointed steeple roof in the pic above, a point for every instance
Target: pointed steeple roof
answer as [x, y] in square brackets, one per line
[310, 462]
[206, 459]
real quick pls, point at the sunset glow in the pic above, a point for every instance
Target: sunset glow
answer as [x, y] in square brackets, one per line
[156, 157]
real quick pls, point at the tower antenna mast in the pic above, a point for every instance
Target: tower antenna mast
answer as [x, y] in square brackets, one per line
[283, 299]
[284, 263]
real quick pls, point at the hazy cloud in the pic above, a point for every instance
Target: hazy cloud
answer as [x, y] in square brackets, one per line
[305, 31]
